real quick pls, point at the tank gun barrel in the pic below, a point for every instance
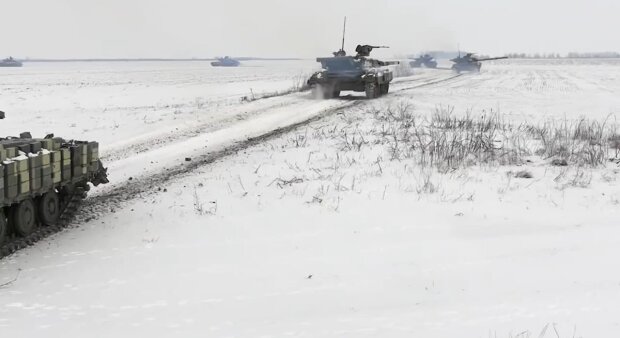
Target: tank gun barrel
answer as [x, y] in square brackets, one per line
[388, 63]
[364, 50]
[495, 58]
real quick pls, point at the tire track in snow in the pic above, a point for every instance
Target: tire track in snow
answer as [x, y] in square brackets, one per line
[105, 202]
[426, 84]
[140, 186]
[115, 196]
[160, 139]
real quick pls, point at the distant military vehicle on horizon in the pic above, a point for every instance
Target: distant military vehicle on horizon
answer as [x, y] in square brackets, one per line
[10, 62]
[226, 61]
[425, 60]
[470, 63]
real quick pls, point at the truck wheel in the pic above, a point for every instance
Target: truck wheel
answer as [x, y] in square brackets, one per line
[49, 208]
[24, 217]
[372, 90]
[4, 227]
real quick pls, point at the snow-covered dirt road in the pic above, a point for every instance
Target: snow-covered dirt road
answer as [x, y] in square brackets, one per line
[272, 230]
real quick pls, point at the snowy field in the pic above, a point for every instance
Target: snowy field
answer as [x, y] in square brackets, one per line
[115, 100]
[303, 218]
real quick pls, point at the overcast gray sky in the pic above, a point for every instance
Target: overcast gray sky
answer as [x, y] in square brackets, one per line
[199, 28]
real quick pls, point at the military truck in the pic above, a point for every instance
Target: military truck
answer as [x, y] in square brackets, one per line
[355, 73]
[42, 180]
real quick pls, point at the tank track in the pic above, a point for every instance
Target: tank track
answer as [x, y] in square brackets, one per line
[69, 209]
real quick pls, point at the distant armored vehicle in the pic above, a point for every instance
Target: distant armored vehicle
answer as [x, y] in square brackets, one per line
[10, 62]
[425, 60]
[226, 62]
[470, 63]
[42, 182]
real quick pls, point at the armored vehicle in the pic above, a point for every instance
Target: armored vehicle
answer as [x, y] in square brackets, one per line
[10, 62]
[425, 60]
[470, 63]
[356, 73]
[42, 181]
[226, 62]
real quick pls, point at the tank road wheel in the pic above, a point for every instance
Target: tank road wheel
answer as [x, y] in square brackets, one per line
[24, 217]
[4, 227]
[328, 91]
[49, 208]
[372, 90]
[385, 88]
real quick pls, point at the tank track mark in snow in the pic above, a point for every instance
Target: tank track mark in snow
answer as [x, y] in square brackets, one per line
[137, 187]
[168, 137]
[105, 203]
[430, 83]
[140, 187]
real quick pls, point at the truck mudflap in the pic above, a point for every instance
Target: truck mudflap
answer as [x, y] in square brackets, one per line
[100, 176]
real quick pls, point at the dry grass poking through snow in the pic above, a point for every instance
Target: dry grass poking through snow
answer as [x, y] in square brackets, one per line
[448, 141]
[394, 148]
[298, 84]
[582, 142]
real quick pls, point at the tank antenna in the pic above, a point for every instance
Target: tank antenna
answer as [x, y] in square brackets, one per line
[344, 30]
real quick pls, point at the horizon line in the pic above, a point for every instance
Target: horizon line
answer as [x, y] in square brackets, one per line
[242, 58]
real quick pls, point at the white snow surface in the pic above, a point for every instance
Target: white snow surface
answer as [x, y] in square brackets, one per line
[295, 237]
